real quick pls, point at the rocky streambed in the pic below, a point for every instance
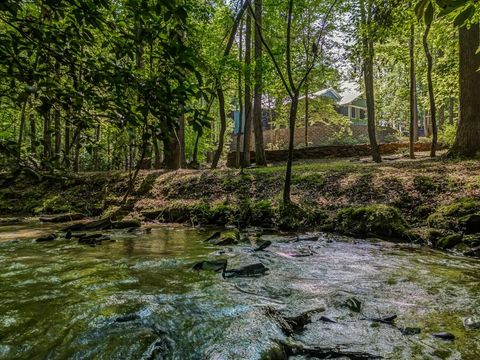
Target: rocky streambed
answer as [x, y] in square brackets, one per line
[168, 293]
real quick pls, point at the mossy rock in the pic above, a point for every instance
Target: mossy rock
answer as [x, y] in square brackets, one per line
[449, 241]
[454, 215]
[225, 238]
[380, 220]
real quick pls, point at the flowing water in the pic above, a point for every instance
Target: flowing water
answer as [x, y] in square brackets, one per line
[138, 298]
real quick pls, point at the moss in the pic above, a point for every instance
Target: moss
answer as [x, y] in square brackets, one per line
[448, 216]
[449, 241]
[380, 220]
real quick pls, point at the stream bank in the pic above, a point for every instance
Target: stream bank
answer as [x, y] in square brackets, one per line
[432, 202]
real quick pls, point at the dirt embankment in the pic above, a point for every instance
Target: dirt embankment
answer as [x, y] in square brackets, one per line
[435, 202]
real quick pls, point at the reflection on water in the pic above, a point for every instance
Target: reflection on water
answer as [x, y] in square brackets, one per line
[138, 298]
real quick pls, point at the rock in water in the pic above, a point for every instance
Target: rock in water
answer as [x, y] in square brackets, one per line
[104, 224]
[297, 323]
[47, 238]
[225, 238]
[444, 336]
[262, 245]
[472, 323]
[407, 331]
[214, 265]
[126, 318]
[257, 269]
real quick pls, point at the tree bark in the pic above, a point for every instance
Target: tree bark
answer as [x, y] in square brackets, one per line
[96, 148]
[66, 147]
[23, 118]
[33, 135]
[306, 114]
[223, 127]
[47, 138]
[238, 155]
[260, 158]
[431, 95]
[368, 53]
[195, 162]
[413, 92]
[248, 95]
[181, 139]
[291, 142]
[467, 142]
[451, 110]
[171, 151]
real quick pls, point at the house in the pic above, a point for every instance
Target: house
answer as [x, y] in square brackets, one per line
[353, 106]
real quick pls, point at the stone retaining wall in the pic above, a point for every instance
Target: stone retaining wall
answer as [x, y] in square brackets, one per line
[334, 151]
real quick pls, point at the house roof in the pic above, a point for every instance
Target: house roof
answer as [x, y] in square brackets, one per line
[349, 97]
[329, 93]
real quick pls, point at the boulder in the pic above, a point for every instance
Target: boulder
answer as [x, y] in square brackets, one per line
[225, 238]
[262, 245]
[448, 241]
[471, 223]
[472, 322]
[47, 238]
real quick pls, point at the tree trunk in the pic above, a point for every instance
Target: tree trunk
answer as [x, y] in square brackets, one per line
[248, 96]
[413, 92]
[171, 151]
[96, 148]
[368, 53]
[47, 138]
[33, 135]
[223, 128]
[238, 153]
[306, 114]
[441, 116]
[291, 143]
[260, 158]
[431, 95]
[76, 159]
[66, 147]
[467, 142]
[181, 139]
[156, 149]
[23, 118]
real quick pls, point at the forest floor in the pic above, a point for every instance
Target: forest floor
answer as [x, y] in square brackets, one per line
[434, 201]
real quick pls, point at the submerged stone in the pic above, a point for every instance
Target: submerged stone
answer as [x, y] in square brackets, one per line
[444, 336]
[213, 265]
[472, 322]
[252, 270]
[225, 238]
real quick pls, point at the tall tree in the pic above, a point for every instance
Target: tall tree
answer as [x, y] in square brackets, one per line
[248, 92]
[413, 94]
[260, 158]
[429, 12]
[368, 51]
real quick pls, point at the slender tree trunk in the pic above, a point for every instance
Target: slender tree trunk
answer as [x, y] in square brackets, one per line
[260, 158]
[156, 149]
[306, 113]
[223, 127]
[181, 139]
[47, 138]
[33, 135]
[78, 145]
[413, 91]
[248, 96]
[433, 108]
[96, 148]
[368, 53]
[66, 148]
[467, 143]
[291, 143]
[58, 136]
[238, 157]
[23, 118]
